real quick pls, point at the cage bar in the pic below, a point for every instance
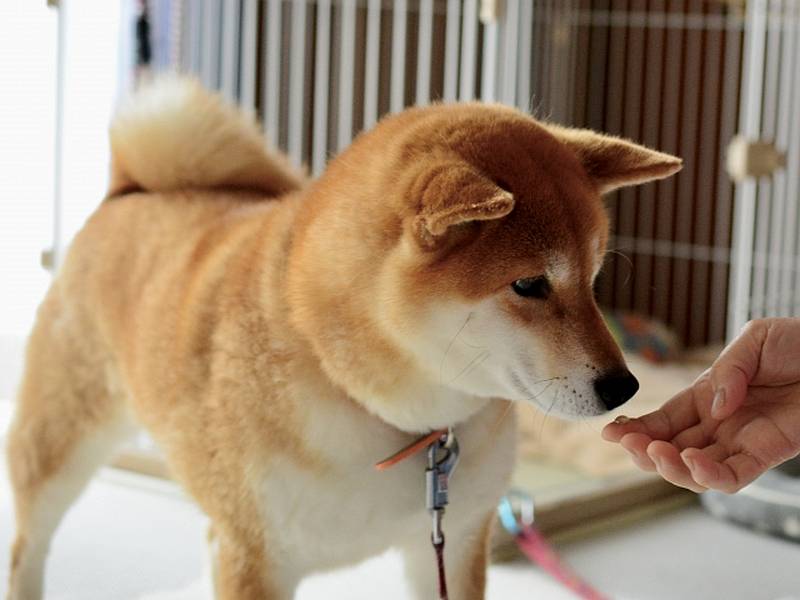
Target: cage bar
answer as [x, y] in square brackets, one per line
[783, 120]
[469, 50]
[489, 61]
[452, 39]
[424, 36]
[526, 19]
[249, 58]
[372, 55]
[764, 202]
[297, 58]
[272, 70]
[211, 43]
[398, 75]
[344, 131]
[790, 256]
[321, 82]
[229, 56]
[745, 198]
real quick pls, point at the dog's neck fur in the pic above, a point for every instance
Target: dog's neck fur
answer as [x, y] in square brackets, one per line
[333, 308]
[377, 374]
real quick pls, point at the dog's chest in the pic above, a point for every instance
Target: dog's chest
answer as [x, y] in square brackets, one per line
[350, 511]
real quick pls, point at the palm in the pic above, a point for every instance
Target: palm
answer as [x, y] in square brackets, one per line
[758, 428]
[692, 449]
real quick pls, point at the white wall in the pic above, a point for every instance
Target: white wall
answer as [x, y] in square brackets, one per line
[27, 126]
[92, 75]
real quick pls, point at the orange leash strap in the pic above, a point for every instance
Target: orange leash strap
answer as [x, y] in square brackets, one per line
[410, 450]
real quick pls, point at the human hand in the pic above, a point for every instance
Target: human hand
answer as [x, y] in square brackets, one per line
[738, 419]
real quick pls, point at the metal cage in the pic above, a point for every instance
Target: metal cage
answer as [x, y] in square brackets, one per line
[667, 73]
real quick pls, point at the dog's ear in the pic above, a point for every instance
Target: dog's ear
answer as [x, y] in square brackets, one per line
[455, 194]
[613, 162]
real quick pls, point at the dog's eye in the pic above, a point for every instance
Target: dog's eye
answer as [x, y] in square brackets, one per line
[532, 287]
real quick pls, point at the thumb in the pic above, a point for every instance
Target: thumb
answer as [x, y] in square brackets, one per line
[735, 368]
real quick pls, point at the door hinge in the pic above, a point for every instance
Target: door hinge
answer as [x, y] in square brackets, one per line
[47, 259]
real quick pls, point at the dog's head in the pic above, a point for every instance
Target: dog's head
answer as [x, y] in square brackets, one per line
[481, 234]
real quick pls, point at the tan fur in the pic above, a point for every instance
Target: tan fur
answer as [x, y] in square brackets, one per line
[277, 348]
[174, 136]
[613, 162]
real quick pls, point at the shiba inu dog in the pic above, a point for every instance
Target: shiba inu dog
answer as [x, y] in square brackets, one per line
[278, 336]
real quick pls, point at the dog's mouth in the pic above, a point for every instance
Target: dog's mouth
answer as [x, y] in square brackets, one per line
[562, 395]
[542, 392]
[530, 391]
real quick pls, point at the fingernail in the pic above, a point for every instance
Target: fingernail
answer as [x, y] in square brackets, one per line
[719, 402]
[689, 462]
[622, 419]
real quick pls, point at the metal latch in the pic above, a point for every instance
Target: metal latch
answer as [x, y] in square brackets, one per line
[490, 11]
[752, 158]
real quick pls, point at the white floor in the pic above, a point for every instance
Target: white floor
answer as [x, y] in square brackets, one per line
[133, 537]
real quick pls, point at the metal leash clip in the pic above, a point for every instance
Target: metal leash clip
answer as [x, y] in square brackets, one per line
[516, 502]
[442, 461]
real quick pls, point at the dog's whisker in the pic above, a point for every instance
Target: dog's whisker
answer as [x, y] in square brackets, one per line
[473, 364]
[540, 381]
[534, 414]
[496, 428]
[449, 346]
[547, 414]
[536, 109]
[591, 424]
[534, 397]
[630, 264]
[468, 345]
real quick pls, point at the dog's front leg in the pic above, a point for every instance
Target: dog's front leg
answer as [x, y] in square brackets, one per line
[466, 560]
[243, 571]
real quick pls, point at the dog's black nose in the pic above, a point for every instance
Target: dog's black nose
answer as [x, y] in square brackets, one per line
[616, 388]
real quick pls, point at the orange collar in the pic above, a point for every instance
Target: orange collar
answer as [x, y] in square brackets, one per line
[410, 450]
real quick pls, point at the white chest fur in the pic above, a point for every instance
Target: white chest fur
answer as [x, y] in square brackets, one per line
[322, 520]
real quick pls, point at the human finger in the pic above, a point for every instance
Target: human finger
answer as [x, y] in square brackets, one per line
[677, 414]
[729, 475]
[669, 465]
[636, 445]
[696, 436]
[735, 368]
[620, 427]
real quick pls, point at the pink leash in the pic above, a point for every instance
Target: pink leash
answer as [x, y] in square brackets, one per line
[534, 545]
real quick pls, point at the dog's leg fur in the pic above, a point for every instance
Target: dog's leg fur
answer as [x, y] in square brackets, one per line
[42, 501]
[65, 427]
[466, 561]
[242, 569]
[212, 545]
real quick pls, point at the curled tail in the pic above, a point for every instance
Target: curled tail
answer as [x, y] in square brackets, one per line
[172, 134]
